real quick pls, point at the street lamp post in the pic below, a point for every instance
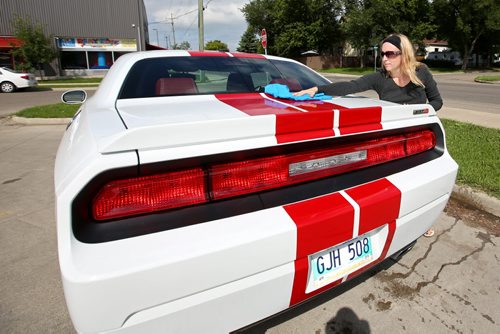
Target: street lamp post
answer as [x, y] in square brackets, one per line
[157, 39]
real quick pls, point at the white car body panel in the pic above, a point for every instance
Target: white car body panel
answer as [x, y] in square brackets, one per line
[436, 184]
[185, 255]
[229, 272]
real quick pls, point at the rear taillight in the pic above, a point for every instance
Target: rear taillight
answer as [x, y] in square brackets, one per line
[150, 193]
[421, 141]
[25, 77]
[217, 181]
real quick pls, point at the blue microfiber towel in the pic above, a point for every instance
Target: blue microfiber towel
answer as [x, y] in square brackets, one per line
[283, 92]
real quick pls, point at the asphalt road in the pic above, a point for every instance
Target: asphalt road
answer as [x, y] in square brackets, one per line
[14, 102]
[460, 91]
[464, 100]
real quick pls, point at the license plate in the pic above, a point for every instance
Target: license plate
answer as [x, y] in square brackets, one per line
[334, 263]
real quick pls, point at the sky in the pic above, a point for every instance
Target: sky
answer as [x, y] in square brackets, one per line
[223, 20]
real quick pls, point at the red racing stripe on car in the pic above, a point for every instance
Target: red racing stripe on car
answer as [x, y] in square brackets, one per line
[329, 220]
[358, 120]
[316, 122]
[321, 223]
[297, 127]
[294, 122]
[255, 105]
[379, 203]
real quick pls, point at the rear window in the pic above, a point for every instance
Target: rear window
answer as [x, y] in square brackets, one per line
[174, 76]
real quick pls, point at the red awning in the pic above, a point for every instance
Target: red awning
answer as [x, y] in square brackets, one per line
[9, 42]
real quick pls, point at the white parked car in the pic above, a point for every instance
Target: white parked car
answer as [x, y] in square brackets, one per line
[190, 201]
[10, 80]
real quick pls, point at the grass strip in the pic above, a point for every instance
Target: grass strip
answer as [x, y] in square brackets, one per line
[75, 86]
[349, 70]
[58, 110]
[476, 150]
[488, 78]
[71, 81]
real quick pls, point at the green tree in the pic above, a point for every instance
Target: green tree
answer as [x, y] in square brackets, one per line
[312, 25]
[294, 26]
[260, 14]
[248, 42]
[366, 22]
[464, 22]
[36, 49]
[182, 46]
[216, 45]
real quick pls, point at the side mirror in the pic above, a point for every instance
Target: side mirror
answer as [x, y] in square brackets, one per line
[74, 97]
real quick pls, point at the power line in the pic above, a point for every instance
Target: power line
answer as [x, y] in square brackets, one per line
[173, 18]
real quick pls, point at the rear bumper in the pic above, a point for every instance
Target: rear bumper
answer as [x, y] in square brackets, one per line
[28, 83]
[223, 275]
[237, 304]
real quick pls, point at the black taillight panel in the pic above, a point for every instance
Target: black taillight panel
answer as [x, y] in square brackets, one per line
[89, 231]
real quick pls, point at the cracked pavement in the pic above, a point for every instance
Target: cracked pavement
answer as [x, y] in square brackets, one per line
[448, 283]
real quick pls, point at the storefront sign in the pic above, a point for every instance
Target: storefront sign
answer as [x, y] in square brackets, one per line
[97, 43]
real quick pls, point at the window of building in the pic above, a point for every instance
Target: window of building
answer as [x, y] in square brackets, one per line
[100, 60]
[73, 60]
[82, 60]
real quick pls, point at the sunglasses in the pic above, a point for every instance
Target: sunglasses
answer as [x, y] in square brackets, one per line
[390, 54]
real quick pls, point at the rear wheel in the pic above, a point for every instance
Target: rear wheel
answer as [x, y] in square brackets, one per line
[7, 87]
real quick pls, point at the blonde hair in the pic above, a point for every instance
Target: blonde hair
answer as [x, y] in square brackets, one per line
[409, 63]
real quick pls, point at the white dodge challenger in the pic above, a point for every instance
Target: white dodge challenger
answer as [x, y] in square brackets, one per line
[190, 201]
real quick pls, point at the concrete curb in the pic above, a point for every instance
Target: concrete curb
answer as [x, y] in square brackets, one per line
[477, 199]
[487, 82]
[473, 197]
[40, 121]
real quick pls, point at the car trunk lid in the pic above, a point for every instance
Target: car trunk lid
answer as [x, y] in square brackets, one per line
[177, 121]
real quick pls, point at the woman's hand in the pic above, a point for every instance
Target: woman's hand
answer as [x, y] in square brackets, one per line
[311, 92]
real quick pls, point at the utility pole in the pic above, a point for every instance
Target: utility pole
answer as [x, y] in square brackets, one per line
[201, 42]
[173, 29]
[139, 42]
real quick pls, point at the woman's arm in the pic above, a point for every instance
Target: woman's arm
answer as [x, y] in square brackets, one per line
[362, 84]
[431, 89]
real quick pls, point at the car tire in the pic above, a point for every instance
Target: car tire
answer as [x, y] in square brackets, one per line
[7, 87]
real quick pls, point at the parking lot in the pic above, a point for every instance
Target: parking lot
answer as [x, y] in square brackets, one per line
[447, 283]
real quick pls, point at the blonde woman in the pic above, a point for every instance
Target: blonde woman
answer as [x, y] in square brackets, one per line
[401, 80]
